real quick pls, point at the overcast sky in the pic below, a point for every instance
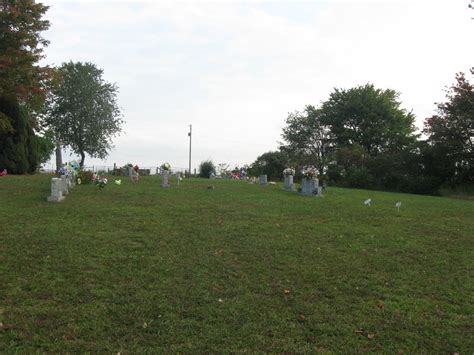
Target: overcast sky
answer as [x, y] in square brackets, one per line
[234, 69]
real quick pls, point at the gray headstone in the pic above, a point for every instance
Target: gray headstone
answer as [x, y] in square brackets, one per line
[288, 182]
[309, 187]
[56, 193]
[262, 179]
[64, 185]
[165, 176]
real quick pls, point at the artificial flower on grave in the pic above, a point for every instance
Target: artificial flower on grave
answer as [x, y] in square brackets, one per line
[118, 182]
[136, 168]
[79, 181]
[309, 172]
[166, 166]
[74, 165]
[289, 171]
[101, 181]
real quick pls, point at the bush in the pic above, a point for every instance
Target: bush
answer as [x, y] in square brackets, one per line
[359, 177]
[206, 168]
[85, 176]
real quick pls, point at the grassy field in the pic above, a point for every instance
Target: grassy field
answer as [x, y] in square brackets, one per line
[136, 268]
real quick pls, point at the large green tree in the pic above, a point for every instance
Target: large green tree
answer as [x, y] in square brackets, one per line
[84, 113]
[23, 83]
[370, 117]
[451, 133]
[306, 139]
[270, 163]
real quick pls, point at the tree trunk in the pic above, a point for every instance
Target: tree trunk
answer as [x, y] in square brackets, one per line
[59, 158]
[83, 157]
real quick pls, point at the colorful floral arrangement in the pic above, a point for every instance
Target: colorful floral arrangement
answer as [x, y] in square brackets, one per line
[166, 166]
[289, 172]
[70, 169]
[309, 172]
[100, 181]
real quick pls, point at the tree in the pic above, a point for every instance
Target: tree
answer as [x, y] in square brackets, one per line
[307, 139]
[23, 83]
[369, 117]
[84, 113]
[451, 132]
[18, 148]
[206, 168]
[21, 48]
[271, 164]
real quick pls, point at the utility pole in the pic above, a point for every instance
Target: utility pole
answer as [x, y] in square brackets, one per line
[190, 134]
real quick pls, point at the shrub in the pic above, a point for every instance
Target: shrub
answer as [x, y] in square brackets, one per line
[85, 176]
[206, 168]
[359, 177]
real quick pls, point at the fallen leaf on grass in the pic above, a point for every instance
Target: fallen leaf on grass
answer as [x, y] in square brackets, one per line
[370, 335]
[381, 305]
[286, 292]
[5, 326]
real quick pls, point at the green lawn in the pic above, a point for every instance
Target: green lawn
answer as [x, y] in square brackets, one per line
[137, 268]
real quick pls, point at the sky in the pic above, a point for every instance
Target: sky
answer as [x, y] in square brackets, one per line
[235, 69]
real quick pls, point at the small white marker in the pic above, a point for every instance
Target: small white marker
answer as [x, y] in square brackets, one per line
[398, 205]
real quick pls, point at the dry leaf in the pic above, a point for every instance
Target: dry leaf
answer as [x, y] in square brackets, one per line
[286, 291]
[381, 305]
[370, 335]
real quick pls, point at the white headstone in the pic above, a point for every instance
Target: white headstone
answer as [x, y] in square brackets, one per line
[56, 193]
[262, 179]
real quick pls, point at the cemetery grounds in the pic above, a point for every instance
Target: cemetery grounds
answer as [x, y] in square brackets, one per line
[139, 268]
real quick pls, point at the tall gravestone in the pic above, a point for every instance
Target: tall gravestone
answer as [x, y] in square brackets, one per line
[288, 182]
[64, 185]
[56, 192]
[262, 179]
[165, 177]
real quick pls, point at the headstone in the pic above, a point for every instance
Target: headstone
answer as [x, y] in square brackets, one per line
[288, 182]
[133, 175]
[262, 179]
[71, 180]
[56, 193]
[64, 185]
[309, 187]
[165, 176]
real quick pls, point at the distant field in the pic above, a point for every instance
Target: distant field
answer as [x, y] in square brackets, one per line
[137, 268]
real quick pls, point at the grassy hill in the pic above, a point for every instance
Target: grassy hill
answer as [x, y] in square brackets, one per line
[137, 268]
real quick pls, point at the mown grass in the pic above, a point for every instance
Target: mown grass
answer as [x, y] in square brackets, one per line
[136, 268]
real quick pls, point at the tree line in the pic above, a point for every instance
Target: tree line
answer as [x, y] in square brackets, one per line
[43, 108]
[362, 137]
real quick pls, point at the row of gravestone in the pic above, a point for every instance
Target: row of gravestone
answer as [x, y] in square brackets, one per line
[60, 187]
[309, 187]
